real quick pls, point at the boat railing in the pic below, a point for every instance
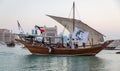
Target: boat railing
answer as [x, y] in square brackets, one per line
[48, 42]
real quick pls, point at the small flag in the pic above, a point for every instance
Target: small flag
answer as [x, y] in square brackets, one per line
[40, 28]
[19, 27]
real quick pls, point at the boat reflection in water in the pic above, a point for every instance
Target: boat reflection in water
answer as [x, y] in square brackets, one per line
[73, 63]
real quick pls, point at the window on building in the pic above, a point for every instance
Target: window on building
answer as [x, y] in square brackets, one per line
[50, 34]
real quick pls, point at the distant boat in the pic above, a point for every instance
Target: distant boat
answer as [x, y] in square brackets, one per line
[114, 45]
[117, 52]
[91, 47]
[10, 44]
[110, 48]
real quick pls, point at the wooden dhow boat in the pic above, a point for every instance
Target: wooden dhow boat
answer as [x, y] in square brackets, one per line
[92, 47]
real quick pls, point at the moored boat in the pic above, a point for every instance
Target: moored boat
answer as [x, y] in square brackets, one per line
[10, 44]
[117, 52]
[110, 48]
[83, 33]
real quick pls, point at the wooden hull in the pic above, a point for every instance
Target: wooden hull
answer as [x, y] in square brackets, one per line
[64, 51]
[36, 49]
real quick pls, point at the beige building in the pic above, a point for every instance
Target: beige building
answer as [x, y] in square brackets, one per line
[50, 32]
[6, 35]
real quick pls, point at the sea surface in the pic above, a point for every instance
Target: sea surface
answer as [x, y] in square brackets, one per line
[20, 59]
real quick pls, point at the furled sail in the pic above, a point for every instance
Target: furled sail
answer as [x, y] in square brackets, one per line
[94, 36]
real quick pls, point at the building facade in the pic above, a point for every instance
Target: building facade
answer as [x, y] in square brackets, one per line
[50, 32]
[6, 35]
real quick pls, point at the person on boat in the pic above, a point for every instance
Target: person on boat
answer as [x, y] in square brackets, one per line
[68, 45]
[73, 43]
[43, 40]
[83, 44]
[59, 45]
[76, 45]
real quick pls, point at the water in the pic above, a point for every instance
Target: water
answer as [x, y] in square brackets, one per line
[18, 59]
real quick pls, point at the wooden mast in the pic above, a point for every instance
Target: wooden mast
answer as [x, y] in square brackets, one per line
[71, 43]
[73, 16]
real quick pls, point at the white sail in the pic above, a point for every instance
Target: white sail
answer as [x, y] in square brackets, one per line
[94, 36]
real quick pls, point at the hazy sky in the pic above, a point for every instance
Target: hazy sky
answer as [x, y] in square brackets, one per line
[102, 15]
